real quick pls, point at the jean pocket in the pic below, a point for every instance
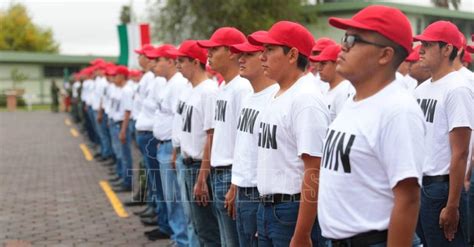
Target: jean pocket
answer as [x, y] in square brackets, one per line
[286, 213]
[436, 191]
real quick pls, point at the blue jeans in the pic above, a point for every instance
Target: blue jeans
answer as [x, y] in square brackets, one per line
[433, 199]
[105, 148]
[127, 161]
[90, 126]
[470, 210]
[148, 147]
[185, 201]
[172, 195]
[202, 217]
[276, 225]
[246, 205]
[117, 147]
[220, 182]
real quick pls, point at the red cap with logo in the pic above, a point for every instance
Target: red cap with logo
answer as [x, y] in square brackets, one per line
[414, 55]
[247, 47]
[443, 31]
[322, 43]
[224, 36]
[161, 51]
[328, 54]
[143, 49]
[467, 58]
[121, 70]
[387, 21]
[287, 33]
[190, 48]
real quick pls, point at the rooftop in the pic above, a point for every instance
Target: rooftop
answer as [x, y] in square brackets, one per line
[47, 58]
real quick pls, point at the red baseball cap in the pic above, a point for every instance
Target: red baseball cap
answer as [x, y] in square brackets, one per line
[289, 34]
[135, 72]
[161, 51]
[322, 43]
[467, 58]
[97, 61]
[247, 47]
[443, 31]
[144, 48]
[414, 55]
[190, 48]
[328, 54]
[470, 48]
[224, 36]
[387, 21]
[121, 70]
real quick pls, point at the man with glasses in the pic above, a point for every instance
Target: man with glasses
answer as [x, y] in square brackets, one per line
[373, 149]
[446, 101]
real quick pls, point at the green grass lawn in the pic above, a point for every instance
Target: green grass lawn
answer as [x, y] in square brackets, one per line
[33, 108]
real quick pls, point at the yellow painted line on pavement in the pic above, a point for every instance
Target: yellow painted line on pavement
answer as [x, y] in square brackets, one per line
[86, 152]
[116, 203]
[74, 132]
[67, 122]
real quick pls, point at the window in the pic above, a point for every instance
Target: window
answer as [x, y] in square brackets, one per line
[59, 71]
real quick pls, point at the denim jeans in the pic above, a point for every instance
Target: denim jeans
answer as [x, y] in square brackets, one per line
[276, 225]
[127, 161]
[90, 126]
[220, 182]
[185, 201]
[172, 195]
[470, 210]
[246, 205]
[433, 199]
[105, 148]
[148, 147]
[203, 217]
[117, 147]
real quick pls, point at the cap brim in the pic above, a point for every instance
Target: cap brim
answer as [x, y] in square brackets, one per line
[139, 52]
[470, 48]
[207, 43]
[262, 39]
[245, 48]
[319, 59]
[422, 37]
[347, 23]
[177, 53]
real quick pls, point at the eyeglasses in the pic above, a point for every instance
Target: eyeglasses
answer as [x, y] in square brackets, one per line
[349, 41]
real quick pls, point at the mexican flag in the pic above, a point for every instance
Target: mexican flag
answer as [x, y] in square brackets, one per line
[132, 36]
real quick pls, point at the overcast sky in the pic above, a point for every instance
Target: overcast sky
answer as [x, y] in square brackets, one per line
[89, 26]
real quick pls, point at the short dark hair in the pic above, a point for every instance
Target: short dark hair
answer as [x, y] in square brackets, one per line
[203, 66]
[454, 52]
[400, 55]
[302, 61]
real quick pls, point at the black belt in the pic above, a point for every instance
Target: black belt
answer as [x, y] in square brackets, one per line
[362, 240]
[219, 169]
[273, 199]
[190, 161]
[143, 132]
[164, 141]
[118, 122]
[427, 180]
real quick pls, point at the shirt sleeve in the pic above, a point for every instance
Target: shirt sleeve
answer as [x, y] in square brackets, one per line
[310, 124]
[209, 102]
[127, 100]
[400, 146]
[459, 108]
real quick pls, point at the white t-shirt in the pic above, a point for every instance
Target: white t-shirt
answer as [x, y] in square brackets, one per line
[226, 115]
[244, 168]
[371, 146]
[406, 81]
[447, 104]
[142, 91]
[177, 118]
[149, 105]
[294, 123]
[107, 99]
[322, 86]
[121, 102]
[87, 90]
[337, 96]
[96, 96]
[197, 118]
[75, 89]
[134, 87]
[167, 101]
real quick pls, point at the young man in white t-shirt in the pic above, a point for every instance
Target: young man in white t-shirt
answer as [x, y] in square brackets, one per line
[121, 108]
[196, 125]
[290, 140]
[227, 109]
[243, 199]
[374, 148]
[415, 70]
[340, 89]
[447, 103]
[318, 47]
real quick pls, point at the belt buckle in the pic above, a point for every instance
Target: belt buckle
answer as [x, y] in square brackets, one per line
[339, 243]
[267, 200]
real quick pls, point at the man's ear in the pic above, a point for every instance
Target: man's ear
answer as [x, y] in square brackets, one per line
[447, 50]
[387, 55]
[292, 55]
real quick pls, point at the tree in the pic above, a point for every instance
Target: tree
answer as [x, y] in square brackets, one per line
[125, 15]
[19, 33]
[177, 20]
[445, 3]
